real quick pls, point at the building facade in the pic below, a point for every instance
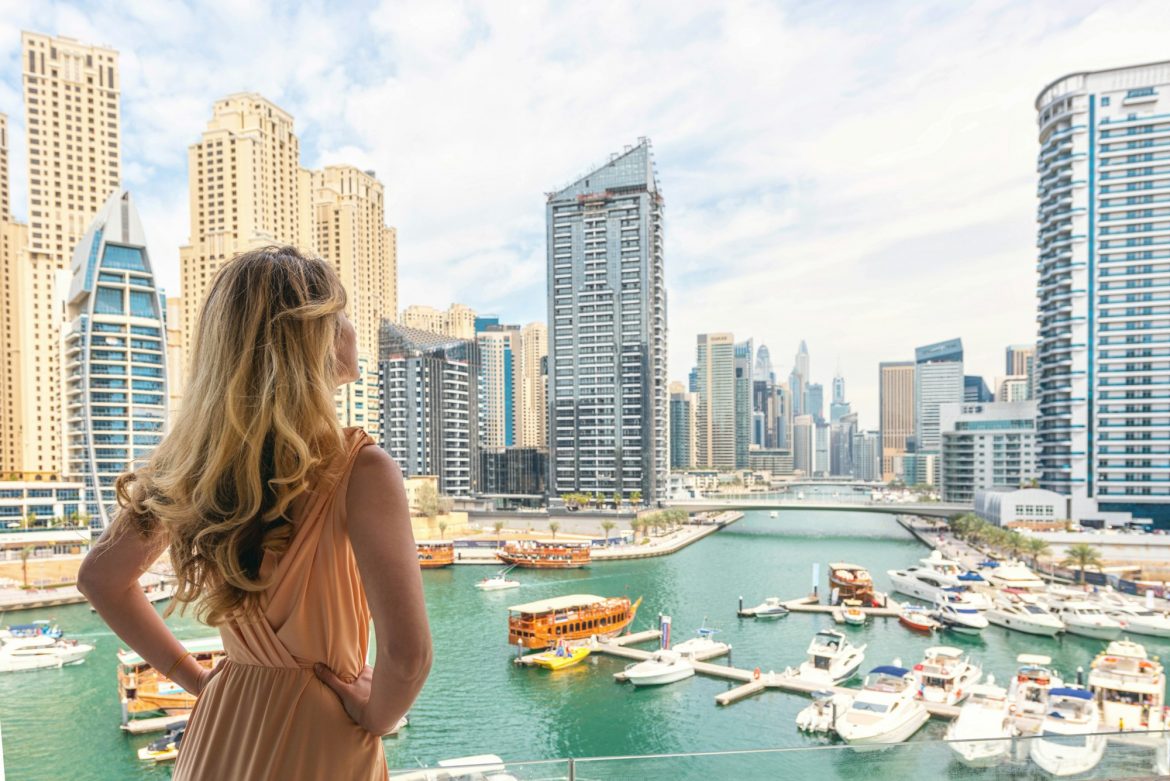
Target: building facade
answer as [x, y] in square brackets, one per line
[607, 321]
[534, 386]
[938, 379]
[682, 427]
[895, 411]
[867, 456]
[513, 472]
[115, 356]
[803, 444]
[457, 321]
[744, 360]
[429, 406]
[1102, 360]
[716, 422]
[985, 446]
[499, 371]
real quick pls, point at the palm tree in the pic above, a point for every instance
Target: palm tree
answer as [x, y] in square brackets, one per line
[1036, 548]
[554, 527]
[25, 552]
[1016, 544]
[617, 500]
[635, 498]
[1082, 555]
[607, 525]
[498, 526]
[442, 527]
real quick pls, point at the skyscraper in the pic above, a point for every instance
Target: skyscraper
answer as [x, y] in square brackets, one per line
[1017, 358]
[838, 407]
[458, 320]
[803, 453]
[115, 354]
[867, 455]
[5, 204]
[743, 402]
[842, 459]
[814, 399]
[500, 355]
[896, 411]
[534, 386]
[607, 315]
[1103, 424]
[798, 380]
[716, 422]
[975, 389]
[764, 370]
[938, 379]
[682, 427]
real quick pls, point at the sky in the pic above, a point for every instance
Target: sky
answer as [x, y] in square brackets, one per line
[859, 174]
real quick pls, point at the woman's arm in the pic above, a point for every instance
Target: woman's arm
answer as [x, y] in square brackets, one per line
[383, 545]
[109, 579]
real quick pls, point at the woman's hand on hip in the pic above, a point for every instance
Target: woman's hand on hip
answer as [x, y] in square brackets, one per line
[354, 696]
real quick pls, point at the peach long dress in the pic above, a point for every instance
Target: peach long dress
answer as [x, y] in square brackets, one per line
[266, 715]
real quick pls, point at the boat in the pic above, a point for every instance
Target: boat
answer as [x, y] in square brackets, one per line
[1028, 690]
[40, 628]
[917, 618]
[1069, 742]
[822, 714]
[542, 555]
[949, 572]
[40, 652]
[542, 624]
[1138, 620]
[850, 581]
[703, 645]
[981, 734]
[770, 608]
[959, 618]
[884, 711]
[432, 555]
[1023, 613]
[1013, 575]
[945, 676]
[1129, 687]
[482, 767]
[166, 748]
[925, 585]
[498, 582]
[854, 615]
[143, 689]
[831, 659]
[563, 656]
[773, 514]
[663, 666]
[1085, 619]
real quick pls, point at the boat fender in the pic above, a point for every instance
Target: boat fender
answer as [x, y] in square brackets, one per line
[756, 674]
[958, 695]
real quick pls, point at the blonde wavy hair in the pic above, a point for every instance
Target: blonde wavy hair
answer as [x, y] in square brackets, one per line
[257, 425]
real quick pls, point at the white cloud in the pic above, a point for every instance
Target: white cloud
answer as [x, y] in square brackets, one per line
[857, 174]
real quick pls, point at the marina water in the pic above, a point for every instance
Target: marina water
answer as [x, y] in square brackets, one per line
[64, 723]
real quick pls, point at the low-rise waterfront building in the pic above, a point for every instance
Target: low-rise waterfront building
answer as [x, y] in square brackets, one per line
[985, 445]
[29, 504]
[1005, 505]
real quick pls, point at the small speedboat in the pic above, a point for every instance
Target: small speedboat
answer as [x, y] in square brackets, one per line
[917, 618]
[773, 514]
[884, 712]
[166, 748]
[1085, 619]
[831, 659]
[703, 645]
[662, 667]
[1023, 613]
[561, 657]
[824, 711]
[945, 675]
[40, 652]
[498, 582]
[959, 618]
[981, 735]
[854, 616]
[770, 608]
[1069, 742]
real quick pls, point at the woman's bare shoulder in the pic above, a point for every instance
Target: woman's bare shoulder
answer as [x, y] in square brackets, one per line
[374, 473]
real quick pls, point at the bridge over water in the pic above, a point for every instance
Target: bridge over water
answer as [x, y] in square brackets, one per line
[833, 497]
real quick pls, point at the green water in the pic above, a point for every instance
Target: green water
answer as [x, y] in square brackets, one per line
[64, 723]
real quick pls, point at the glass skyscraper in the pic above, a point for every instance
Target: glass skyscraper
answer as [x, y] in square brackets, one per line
[607, 324]
[115, 356]
[1103, 356]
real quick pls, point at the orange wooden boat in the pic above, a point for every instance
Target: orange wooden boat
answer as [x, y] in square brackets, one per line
[544, 623]
[544, 555]
[432, 555]
[145, 690]
[851, 581]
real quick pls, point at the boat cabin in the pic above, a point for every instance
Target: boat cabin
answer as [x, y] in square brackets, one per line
[546, 555]
[544, 623]
[850, 582]
[432, 555]
[146, 690]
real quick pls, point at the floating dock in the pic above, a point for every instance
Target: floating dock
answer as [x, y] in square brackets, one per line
[810, 604]
[153, 724]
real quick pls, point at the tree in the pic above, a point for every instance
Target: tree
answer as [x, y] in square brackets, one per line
[442, 527]
[1015, 544]
[554, 527]
[1082, 555]
[636, 498]
[30, 520]
[1036, 548]
[607, 525]
[25, 552]
[427, 500]
[635, 527]
[617, 500]
[497, 527]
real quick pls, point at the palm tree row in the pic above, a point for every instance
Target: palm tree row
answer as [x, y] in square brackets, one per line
[660, 521]
[1007, 542]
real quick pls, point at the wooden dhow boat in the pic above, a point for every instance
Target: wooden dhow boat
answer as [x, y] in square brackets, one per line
[547, 622]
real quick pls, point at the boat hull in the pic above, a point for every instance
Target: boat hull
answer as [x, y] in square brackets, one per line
[1095, 632]
[1137, 627]
[498, 586]
[1062, 760]
[525, 563]
[1015, 623]
[868, 740]
[662, 678]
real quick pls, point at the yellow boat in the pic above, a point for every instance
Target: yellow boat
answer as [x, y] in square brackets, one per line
[561, 658]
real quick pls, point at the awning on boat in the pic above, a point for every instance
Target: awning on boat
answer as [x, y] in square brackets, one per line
[1080, 694]
[557, 603]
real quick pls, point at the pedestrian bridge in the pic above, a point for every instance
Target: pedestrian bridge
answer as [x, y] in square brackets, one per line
[787, 502]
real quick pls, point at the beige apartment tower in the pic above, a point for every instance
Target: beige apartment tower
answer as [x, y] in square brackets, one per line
[349, 219]
[896, 411]
[457, 322]
[715, 416]
[533, 387]
[5, 202]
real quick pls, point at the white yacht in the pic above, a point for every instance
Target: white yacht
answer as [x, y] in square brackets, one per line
[1129, 687]
[827, 706]
[772, 607]
[1034, 678]
[945, 675]
[883, 712]
[1136, 619]
[982, 732]
[1023, 613]
[18, 654]
[498, 582]
[1014, 575]
[1085, 619]
[662, 667]
[958, 617]
[831, 659]
[703, 645]
[1069, 742]
[949, 572]
[926, 585]
[482, 767]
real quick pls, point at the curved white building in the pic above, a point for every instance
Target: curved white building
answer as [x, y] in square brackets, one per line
[1103, 356]
[114, 354]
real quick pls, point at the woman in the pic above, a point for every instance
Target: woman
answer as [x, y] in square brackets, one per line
[280, 526]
